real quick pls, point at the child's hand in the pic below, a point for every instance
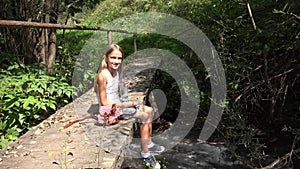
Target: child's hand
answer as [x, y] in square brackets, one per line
[133, 104]
[136, 104]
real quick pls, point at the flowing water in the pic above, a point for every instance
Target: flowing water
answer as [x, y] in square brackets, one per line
[191, 156]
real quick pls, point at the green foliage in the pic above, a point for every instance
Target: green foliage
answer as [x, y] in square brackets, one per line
[109, 10]
[79, 65]
[28, 95]
[249, 57]
[164, 81]
[247, 138]
[105, 12]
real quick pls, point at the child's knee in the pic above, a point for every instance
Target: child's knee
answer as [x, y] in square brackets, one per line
[149, 111]
[145, 116]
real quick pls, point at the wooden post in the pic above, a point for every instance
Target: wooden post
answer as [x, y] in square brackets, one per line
[46, 44]
[109, 39]
[134, 43]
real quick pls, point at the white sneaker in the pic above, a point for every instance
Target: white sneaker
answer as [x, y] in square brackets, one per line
[156, 149]
[151, 162]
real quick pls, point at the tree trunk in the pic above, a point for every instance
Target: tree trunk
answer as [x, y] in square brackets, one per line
[27, 39]
[52, 50]
[30, 45]
[51, 8]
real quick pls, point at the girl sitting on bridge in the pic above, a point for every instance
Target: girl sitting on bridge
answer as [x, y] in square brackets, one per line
[107, 87]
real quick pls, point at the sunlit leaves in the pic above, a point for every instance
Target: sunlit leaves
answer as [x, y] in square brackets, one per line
[27, 95]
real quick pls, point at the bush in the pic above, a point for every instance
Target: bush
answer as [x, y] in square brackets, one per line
[28, 95]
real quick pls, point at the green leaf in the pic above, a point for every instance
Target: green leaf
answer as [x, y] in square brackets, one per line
[68, 93]
[36, 116]
[15, 66]
[44, 85]
[22, 118]
[44, 107]
[52, 106]
[51, 89]
[25, 104]
[3, 125]
[12, 133]
[40, 90]
[59, 92]
[17, 103]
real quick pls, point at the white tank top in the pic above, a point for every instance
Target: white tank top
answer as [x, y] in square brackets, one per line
[112, 90]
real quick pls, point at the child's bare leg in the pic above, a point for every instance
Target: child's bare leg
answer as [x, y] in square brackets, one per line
[145, 114]
[86, 117]
[150, 133]
[144, 137]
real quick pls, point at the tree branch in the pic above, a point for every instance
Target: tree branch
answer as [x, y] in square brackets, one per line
[250, 14]
[69, 5]
[287, 156]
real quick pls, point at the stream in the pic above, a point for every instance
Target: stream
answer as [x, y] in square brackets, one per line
[190, 156]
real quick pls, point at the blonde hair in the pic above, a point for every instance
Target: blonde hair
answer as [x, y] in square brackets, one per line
[103, 64]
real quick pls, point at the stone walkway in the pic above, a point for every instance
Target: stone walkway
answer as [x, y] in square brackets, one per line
[83, 145]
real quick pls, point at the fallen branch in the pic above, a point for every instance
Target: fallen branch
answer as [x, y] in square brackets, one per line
[78, 120]
[285, 157]
[71, 4]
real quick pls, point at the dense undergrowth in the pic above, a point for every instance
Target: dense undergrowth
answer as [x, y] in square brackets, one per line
[29, 95]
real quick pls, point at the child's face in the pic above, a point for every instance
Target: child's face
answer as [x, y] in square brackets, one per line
[114, 59]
